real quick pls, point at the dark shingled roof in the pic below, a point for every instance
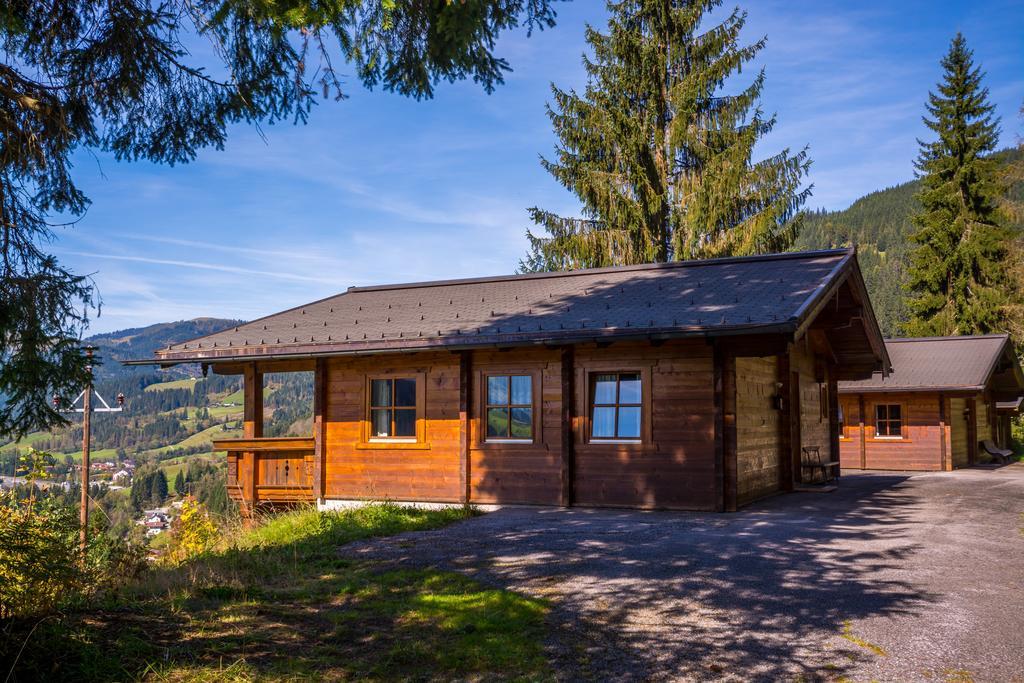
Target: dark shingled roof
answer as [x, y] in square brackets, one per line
[936, 363]
[713, 297]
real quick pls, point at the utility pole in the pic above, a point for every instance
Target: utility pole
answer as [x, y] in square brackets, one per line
[87, 410]
[83, 513]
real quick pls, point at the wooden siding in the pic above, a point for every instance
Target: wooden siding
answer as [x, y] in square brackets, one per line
[958, 431]
[850, 438]
[814, 428]
[925, 426]
[427, 470]
[518, 472]
[758, 440]
[674, 466]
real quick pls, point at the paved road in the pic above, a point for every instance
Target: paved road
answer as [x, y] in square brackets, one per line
[894, 577]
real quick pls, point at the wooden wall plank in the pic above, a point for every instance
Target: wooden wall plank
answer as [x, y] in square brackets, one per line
[758, 429]
[567, 465]
[465, 401]
[320, 446]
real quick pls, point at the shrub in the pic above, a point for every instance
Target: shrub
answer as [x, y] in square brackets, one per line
[38, 556]
[193, 532]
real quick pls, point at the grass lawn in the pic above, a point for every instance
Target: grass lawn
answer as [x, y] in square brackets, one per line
[203, 438]
[25, 443]
[186, 383]
[95, 455]
[278, 603]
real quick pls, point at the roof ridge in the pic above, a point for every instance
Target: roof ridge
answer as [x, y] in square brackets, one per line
[691, 263]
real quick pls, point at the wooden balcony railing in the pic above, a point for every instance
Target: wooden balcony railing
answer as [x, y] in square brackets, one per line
[269, 470]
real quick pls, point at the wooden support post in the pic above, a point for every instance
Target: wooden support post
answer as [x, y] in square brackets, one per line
[972, 431]
[944, 446]
[785, 431]
[863, 433]
[833, 416]
[726, 472]
[796, 434]
[568, 398]
[252, 426]
[319, 428]
[465, 402]
[83, 513]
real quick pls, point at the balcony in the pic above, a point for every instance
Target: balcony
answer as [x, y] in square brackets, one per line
[269, 470]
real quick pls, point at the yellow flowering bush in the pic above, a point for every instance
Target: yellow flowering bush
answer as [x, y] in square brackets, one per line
[193, 532]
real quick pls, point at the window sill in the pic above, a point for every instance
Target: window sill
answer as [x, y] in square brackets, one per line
[888, 439]
[615, 441]
[392, 445]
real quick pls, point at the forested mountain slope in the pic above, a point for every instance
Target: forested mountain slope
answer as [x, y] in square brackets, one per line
[141, 342]
[880, 225]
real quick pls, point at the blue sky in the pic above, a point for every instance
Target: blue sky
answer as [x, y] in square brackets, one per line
[379, 188]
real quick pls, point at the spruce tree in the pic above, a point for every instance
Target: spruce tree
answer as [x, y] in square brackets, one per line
[179, 483]
[159, 490]
[958, 273]
[658, 155]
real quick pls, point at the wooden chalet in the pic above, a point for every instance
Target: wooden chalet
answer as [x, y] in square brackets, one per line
[945, 397]
[691, 386]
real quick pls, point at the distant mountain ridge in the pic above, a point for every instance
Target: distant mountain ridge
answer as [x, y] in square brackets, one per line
[879, 223]
[141, 342]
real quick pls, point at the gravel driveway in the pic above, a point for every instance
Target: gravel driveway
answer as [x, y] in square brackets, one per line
[894, 577]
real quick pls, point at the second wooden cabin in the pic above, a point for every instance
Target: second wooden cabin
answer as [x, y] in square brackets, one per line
[945, 397]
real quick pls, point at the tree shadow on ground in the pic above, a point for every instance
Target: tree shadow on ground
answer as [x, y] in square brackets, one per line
[767, 593]
[295, 610]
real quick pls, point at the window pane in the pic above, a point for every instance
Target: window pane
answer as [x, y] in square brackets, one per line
[497, 390]
[604, 389]
[522, 423]
[522, 390]
[405, 422]
[894, 412]
[405, 393]
[380, 393]
[629, 387]
[629, 423]
[381, 422]
[880, 413]
[497, 422]
[603, 423]
[895, 428]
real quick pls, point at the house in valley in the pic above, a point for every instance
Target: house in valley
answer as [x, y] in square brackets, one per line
[945, 397]
[692, 386]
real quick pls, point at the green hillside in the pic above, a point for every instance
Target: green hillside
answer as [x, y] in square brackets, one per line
[880, 225]
[168, 414]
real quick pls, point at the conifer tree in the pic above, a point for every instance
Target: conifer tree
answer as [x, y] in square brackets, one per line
[958, 274]
[159, 490]
[179, 483]
[659, 156]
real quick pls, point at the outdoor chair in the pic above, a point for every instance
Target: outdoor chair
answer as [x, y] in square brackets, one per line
[812, 461]
[1003, 454]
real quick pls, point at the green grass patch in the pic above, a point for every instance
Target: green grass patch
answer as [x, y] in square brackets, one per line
[277, 602]
[203, 438]
[233, 412]
[96, 455]
[238, 397]
[186, 383]
[27, 442]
